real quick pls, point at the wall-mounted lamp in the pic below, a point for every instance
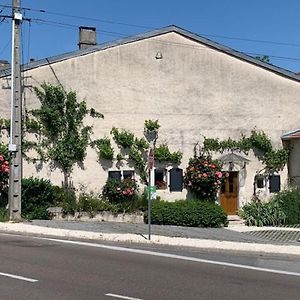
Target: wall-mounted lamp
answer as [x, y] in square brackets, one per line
[158, 55]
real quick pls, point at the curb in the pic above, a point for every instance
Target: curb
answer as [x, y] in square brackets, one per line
[155, 239]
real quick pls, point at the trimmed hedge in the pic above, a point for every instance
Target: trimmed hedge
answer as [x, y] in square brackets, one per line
[193, 213]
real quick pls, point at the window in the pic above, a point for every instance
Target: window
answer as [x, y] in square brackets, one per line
[128, 174]
[260, 182]
[176, 180]
[119, 175]
[114, 175]
[160, 179]
[274, 183]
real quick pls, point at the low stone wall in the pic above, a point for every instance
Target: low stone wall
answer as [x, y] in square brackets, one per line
[56, 213]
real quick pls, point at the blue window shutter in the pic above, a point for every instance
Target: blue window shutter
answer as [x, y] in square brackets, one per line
[176, 180]
[274, 183]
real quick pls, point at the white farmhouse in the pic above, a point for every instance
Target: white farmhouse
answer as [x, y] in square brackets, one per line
[193, 86]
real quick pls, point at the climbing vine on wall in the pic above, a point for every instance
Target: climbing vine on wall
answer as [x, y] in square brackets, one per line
[259, 142]
[138, 147]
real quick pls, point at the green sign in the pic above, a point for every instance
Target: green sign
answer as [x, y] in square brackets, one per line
[152, 191]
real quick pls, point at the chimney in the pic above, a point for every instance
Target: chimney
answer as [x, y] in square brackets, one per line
[87, 37]
[4, 64]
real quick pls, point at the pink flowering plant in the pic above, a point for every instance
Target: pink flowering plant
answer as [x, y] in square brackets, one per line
[204, 177]
[119, 191]
[4, 170]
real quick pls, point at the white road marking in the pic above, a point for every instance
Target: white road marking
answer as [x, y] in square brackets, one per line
[18, 277]
[174, 256]
[121, 297]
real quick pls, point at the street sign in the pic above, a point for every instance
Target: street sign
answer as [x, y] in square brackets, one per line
[152, 192]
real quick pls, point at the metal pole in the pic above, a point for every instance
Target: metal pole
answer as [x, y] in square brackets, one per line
[149, 206]
[15, 173]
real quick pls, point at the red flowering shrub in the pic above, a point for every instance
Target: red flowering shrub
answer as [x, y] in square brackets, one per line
[117, 191]
[204, 177]
[4, 172]
[4, 175]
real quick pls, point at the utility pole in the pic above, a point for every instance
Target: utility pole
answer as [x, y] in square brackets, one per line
[15, 173]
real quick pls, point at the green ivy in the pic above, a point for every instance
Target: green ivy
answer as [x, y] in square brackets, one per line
[104, 148]
[151, 125]
[138, 148]
[259, 142]
[124, 137]
[141, 143]
[120, 157]
[162, 154]
[138, 157]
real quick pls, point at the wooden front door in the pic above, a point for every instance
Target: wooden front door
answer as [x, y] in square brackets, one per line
[229, 194]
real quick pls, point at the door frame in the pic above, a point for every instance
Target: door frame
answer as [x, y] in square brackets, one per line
[237, 193]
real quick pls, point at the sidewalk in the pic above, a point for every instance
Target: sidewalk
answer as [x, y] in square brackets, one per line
[273, 240]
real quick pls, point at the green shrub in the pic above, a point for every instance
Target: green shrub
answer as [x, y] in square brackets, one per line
[68, 202]
[117, 191]
[37, 195]
[289, 202]
[257, 213]
[3, 214]
[192, 213]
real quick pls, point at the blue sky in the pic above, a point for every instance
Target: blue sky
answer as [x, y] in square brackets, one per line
[273, 26]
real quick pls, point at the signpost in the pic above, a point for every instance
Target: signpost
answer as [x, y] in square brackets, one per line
[151, 187]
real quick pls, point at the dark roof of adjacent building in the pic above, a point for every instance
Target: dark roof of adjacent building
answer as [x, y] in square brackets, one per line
[294, 134]
[168, 29]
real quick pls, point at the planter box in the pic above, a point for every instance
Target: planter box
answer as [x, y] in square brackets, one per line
[105, 216]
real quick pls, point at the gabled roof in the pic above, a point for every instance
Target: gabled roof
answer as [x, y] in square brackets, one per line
[233, 158]
[295, 134]
[168, 29]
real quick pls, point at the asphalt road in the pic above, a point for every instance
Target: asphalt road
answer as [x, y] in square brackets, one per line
[90, 271]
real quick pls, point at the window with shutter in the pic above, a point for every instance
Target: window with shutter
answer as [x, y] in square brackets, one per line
[128, 174]
[274, 183]
[114, 175]
[176, 180]
[260, 182]
[160, 179]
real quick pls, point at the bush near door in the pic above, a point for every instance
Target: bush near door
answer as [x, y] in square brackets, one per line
[289, 202]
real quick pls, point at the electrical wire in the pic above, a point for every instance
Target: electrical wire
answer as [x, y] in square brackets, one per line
[5, 47]
[196, 47]
[112, 33]
[150, 27]
[82, 18]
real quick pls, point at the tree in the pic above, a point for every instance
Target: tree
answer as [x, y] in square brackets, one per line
[263, 58]
[62, 136]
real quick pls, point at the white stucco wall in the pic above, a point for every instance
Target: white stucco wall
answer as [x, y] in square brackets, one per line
[193, 91]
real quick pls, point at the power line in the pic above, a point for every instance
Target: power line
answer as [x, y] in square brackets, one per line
[150, 27]
[82, 18]
[112, 33]
[6, 45]
[74, 26]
